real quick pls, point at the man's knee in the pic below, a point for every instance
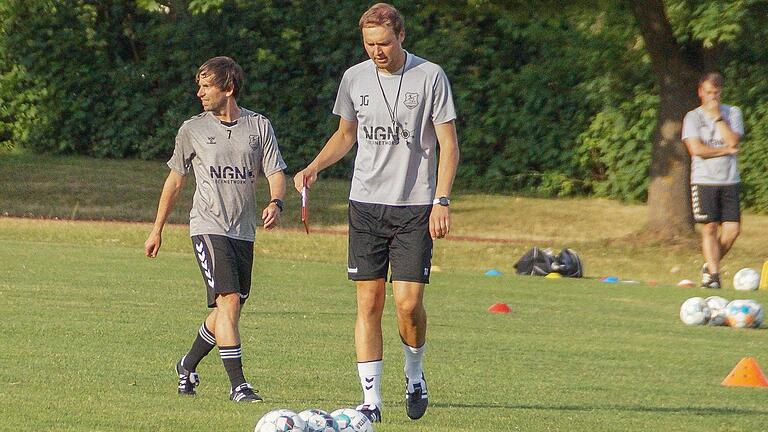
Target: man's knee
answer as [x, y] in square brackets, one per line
[370, 298]
[409, 300]
[411, 306]
[370, 305]
[228, 303]
[710, 229]
[730, 232]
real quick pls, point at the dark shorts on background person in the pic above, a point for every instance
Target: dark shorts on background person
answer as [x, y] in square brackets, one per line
[382, 235]
[716, 203]
[225, 264]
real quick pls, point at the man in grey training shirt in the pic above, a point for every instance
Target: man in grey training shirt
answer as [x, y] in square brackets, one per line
[398, 108]
[226, 147]
[712, 133]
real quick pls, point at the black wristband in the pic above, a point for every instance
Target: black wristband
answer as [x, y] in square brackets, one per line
[278, 202]
[719, 119]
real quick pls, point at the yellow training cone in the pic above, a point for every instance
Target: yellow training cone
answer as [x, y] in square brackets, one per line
[764, 276]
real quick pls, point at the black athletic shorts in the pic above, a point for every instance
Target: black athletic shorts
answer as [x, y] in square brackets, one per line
[715, 203]
[383, 235]
[225, 264]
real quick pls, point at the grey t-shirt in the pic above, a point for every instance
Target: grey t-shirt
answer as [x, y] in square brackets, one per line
[721, 170]
[395, 165]
[226, 161]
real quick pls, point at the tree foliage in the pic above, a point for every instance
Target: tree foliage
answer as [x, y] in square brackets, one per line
[551, 103]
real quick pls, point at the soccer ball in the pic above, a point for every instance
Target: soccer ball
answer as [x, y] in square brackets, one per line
[350, 420]
[317, 420]
[758, 313]
[694, 311]
[746, 279]
[310, 412]
[717, 306]
[744, 314]
[282, 420]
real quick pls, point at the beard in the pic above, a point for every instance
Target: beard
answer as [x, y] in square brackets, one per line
[215, 108]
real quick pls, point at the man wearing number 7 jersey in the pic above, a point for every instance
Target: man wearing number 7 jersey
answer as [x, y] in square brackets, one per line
[399, 109]
[226, 147]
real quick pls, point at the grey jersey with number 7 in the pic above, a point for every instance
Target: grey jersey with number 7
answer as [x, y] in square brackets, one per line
[395, 164]
[226, 161]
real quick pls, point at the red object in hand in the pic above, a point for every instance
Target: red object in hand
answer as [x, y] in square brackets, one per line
[305, 205]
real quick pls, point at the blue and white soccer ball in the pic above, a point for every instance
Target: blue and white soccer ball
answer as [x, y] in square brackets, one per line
[282, 420]
[758, 312]
[694, 311]
[317, 420]
[351, 420]
[717, 308]
[744, 314]
[746, 279]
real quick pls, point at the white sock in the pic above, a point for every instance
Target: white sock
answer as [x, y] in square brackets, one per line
[370, 381]
[413, 363]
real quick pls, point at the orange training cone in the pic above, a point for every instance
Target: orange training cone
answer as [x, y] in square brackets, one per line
[747, 373]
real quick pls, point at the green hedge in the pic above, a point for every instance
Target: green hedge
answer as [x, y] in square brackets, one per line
[547, 106]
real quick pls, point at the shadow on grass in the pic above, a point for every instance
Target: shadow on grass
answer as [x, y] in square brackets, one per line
[629, 408]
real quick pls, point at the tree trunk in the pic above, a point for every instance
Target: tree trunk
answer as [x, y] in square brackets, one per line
[676, 68]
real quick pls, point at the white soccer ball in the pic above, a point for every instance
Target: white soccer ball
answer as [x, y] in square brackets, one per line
[694, 311]
[746, 279]
[350, 420]
[282, 420]
[317, 420]
[717, 306]
[744, 314]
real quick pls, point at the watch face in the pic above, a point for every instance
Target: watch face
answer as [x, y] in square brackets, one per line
[444, 201]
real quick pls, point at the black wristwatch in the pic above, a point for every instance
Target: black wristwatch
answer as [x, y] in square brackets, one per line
[278, 202]
[443, 201]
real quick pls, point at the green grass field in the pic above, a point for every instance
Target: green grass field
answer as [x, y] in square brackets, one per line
[93, 328]
[501, 227]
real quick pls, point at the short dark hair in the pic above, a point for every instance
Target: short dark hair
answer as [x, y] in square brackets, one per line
[226, 73]
[383, 14]
[713, 78]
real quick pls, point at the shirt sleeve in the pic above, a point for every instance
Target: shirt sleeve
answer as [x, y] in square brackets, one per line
[344, 106]
[690, 126]
[736, 120]
[443, 110]
[271, 159]
[183, 153]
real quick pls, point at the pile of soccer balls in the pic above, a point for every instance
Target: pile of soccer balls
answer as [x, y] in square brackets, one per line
[314, 420]
[717, 311]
